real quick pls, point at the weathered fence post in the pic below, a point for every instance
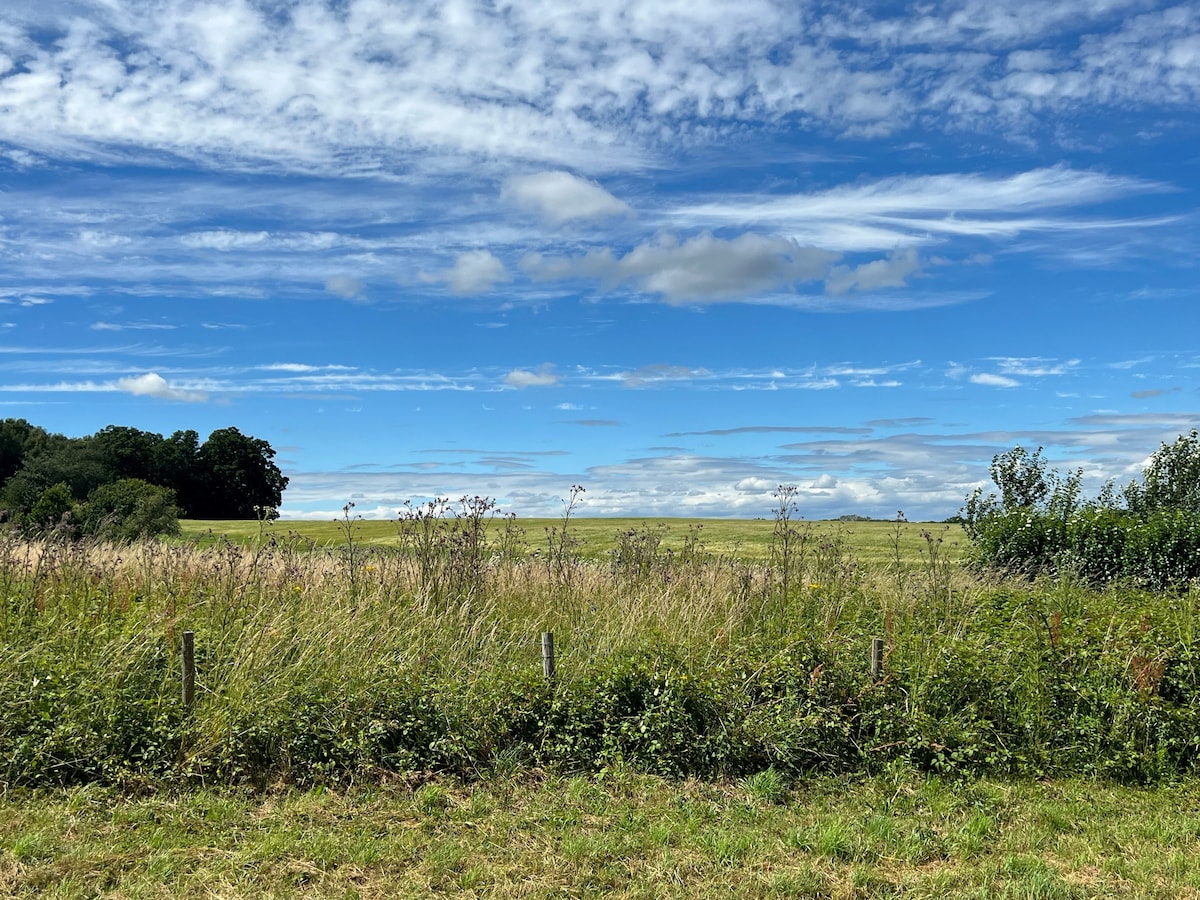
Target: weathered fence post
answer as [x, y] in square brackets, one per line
[876, 658]
[548, 655]
[189, 668]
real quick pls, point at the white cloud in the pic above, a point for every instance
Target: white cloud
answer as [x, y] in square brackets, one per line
[223, 239]
[898, 212]
[473, 272]
[522, 378]
[592, 85]
[880, 273]
[702, 269]
[1035, 366]
[656, 374]
[102, 239]
[561, 197]
[154, 385]
[303, 368]
[131, 326]
[993, 380]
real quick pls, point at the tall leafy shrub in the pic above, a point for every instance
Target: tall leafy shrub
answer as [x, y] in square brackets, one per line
[1038, 524]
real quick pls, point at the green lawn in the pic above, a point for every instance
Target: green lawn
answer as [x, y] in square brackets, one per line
[615, 835]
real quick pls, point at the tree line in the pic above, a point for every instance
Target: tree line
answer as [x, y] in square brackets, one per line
[119, 475]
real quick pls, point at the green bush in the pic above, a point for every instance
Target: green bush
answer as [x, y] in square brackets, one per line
[54, 511]
[129, 509]
[1037, 526]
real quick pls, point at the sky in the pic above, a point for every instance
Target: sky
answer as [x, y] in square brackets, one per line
[677, 253]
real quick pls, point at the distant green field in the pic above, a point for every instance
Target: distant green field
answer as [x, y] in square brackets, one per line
[869, 542]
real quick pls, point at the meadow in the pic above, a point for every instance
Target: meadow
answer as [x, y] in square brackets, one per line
[372, 718]
[871, 542]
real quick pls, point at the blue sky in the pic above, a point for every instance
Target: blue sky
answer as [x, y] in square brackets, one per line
[679, 253]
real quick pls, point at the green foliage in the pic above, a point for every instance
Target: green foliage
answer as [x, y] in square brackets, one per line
[60, 462]
[54, 511]
[309, 674]
[126, 510]
[231, 475]
[237, 476]
[18, 439]
[1171, 479]
[1038, 525]
[645, 709]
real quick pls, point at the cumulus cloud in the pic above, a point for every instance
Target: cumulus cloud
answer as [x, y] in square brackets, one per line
[702, 269]
[561, 197]
[154, 385]
[473, 272]
[522, 378]
[881, 273]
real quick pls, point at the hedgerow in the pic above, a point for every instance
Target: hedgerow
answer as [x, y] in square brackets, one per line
[1148, 534]
[308, 672]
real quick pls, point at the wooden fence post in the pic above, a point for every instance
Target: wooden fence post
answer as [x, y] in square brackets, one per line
[189, 668]
[876, 658]
[548, 655]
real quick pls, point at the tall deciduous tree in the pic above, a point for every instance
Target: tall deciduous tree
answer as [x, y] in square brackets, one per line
[128, 452]
[238, 476]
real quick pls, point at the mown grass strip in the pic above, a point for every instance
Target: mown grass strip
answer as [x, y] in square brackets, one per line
[618, 834]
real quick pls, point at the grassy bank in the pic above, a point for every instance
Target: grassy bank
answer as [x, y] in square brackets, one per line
[322, 664]
[617, 835]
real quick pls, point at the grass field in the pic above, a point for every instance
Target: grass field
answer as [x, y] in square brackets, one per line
[871, 542]
[617, 835]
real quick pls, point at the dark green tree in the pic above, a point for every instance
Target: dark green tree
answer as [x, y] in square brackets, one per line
[64, 461]
[16, 437]
[237, 476]
[129, 453]
[177, 463]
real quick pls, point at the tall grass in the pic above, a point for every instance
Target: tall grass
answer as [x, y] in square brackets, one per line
[350, 662]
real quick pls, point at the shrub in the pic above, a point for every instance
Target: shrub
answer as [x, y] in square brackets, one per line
[129, 509]
[1036, 525]
[54, 511]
